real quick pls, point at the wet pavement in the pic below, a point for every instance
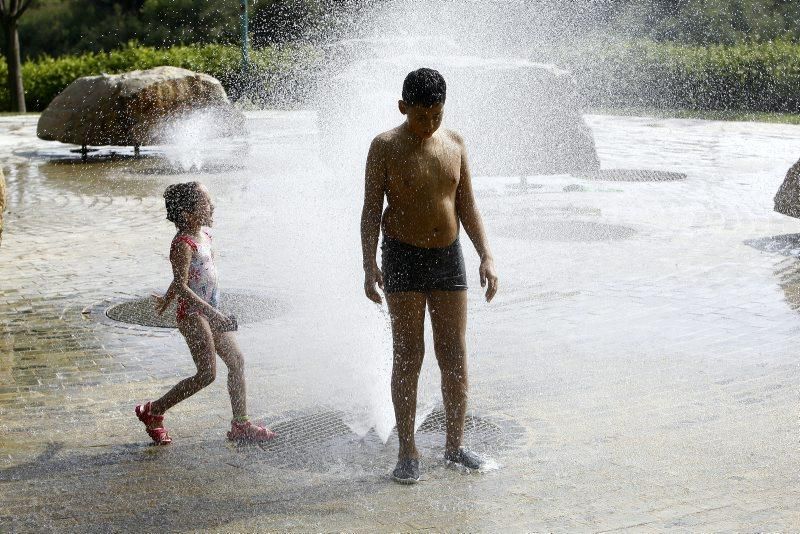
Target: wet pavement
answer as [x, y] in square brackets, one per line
[637, 370]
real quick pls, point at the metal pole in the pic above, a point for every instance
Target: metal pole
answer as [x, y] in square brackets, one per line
[243, 22]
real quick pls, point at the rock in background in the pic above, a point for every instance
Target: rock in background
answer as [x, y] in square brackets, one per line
[132, 108]
[517, 117]
[787, 199]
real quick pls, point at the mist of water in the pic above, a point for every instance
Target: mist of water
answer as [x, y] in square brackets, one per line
[303, 194]
[519, 114]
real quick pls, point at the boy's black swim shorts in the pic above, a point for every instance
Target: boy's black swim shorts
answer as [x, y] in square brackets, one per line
[409, 268]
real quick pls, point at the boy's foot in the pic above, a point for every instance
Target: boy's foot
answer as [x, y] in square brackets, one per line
[247, 431]
[464, 458]
[154, 424]
[406, 471]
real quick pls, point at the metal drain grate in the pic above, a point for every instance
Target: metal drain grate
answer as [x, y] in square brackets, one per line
[318, 442]
[246, 307]
[476, 429]
[632, 175]
[308, 430]
[321, 440]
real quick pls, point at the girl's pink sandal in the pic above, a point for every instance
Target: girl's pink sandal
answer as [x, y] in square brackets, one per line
[247, 431]
[159, 435]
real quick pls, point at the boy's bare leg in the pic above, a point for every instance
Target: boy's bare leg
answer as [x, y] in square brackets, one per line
[448, 311]
[201, 344]
[229, 352]
[407, 312]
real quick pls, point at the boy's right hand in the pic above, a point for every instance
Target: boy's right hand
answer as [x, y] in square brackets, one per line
[373, 276]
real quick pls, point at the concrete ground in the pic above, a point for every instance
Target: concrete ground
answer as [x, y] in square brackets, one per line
[637, 371]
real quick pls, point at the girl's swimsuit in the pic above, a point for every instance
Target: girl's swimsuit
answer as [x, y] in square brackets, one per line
[202, 276]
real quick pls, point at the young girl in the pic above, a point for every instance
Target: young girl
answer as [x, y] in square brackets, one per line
[207, 331]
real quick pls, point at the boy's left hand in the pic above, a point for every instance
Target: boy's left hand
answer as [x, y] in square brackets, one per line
[488, 278]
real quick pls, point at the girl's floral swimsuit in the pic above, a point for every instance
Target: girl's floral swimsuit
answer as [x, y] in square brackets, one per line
[202, 275]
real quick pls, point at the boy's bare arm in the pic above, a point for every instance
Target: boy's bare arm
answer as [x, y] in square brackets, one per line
[472, 222]
[371, 218]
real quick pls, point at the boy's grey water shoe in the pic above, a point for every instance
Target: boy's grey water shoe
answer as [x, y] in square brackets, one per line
[465, 458]
[406, 471]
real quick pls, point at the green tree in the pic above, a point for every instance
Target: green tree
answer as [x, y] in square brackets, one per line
[172, 22]
[59, 27]
[10, 13]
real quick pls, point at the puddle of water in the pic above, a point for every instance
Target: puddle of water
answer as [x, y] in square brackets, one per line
[283, 218]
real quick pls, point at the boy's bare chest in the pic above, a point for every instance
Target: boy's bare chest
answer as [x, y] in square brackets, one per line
[425, 171]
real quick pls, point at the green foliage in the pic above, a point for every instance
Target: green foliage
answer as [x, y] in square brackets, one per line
[169, 22]
[46, 77]
[743, 77]
[641, 73]
[58, 27]
[700, 21]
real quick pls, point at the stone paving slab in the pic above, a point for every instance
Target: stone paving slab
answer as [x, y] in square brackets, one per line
[648, 383]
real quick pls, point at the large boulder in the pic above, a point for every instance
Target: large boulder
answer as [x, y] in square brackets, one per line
[787, 199]
[518, 117]
[132, 108]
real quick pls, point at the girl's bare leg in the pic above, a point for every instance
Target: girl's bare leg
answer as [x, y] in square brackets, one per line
[229, 352]
[198, 336]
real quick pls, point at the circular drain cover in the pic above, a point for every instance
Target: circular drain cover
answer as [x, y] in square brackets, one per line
[246, 307]
[632, 175]
[566, 230]
[322, 440]
[475, 428]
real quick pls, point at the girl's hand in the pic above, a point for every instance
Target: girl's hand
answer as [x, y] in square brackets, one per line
[488, 277]
[160, 303]
[222, 322]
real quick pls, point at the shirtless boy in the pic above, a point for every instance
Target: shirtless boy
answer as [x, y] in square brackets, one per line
[423, 173]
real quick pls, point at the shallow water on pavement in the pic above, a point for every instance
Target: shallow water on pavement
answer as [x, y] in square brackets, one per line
[641, 350]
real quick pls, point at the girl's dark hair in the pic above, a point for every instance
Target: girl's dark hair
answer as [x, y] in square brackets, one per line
[424, 87]
[181, 199]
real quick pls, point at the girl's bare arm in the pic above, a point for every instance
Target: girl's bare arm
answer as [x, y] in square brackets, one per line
[180, 256]
[163, 301]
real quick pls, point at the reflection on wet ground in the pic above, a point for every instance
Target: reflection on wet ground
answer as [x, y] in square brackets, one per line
[785, 245]
[633, 175]
[566, 230]
[637, 369]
